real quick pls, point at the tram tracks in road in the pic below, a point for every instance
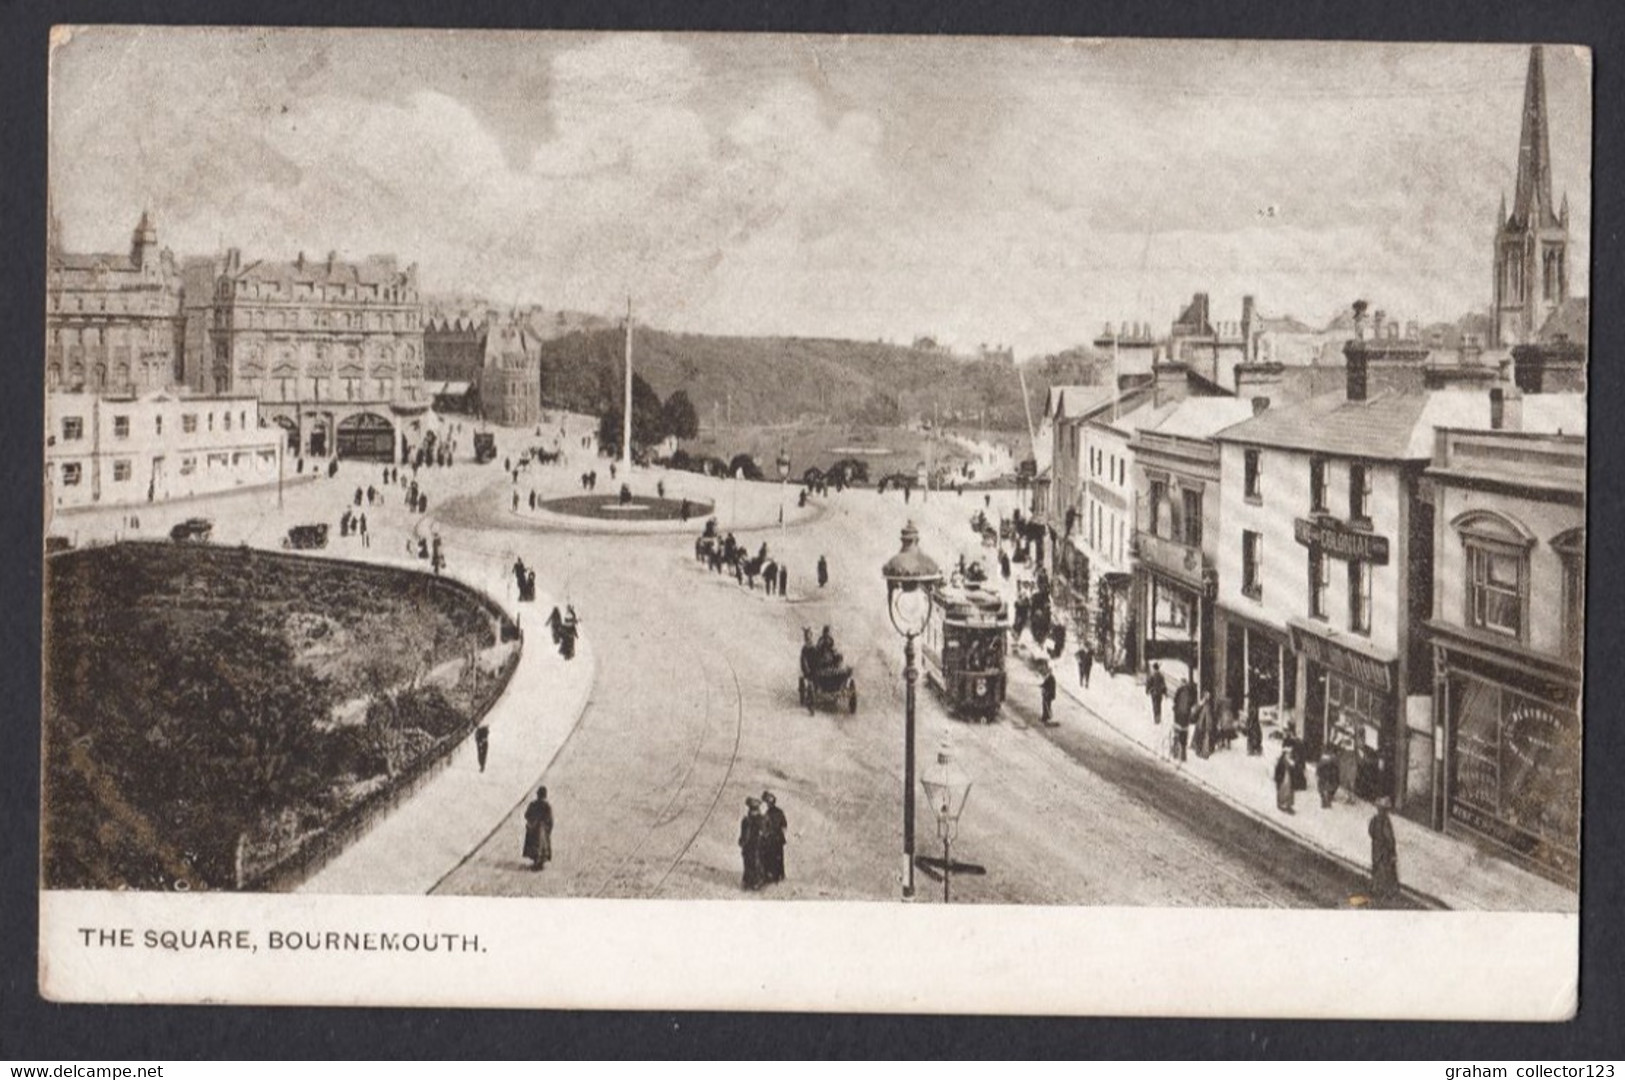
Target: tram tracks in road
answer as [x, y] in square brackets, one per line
[1058, 763]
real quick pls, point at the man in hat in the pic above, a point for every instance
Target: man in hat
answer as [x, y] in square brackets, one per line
[1047, 691]
[774, 827]
[1384, 855]
[1156, 688]
[539, 830]
[1086, 664]
[750, 843]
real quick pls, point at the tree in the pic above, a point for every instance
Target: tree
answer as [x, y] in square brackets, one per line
[680, 418]
[744, 465]
[648, 418]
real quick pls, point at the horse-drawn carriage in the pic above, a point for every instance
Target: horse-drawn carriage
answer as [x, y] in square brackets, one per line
[829, 686]
[306, 537]
[826, 679]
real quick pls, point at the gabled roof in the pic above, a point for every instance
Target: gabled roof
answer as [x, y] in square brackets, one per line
[373, 270]
[1145, 416]
[1077, 402]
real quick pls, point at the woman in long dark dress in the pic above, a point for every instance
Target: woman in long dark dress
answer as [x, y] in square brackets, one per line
[539, 830]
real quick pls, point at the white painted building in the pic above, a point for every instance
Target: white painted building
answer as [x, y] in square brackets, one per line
[117, 451]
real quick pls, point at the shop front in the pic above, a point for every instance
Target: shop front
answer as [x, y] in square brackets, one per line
[1512, 753]
[1260, 668]
[1351, 705]
[1175, 616]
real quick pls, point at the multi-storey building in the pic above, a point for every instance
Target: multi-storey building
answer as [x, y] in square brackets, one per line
[510, 381]
[332, 349]
[1176, 475]
[1508, 626]
[107, 450]
[113, 321]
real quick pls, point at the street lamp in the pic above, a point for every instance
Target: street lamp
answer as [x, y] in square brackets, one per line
[784, 474]
[946, 788]
[910, 577]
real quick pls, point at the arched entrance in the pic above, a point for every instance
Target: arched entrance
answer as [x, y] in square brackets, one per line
[366, 437]
[291, 431]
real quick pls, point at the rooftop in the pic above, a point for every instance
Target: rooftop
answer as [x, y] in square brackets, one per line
[1396, 426]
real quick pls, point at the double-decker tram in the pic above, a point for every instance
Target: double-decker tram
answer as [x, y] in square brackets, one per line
[965, 644]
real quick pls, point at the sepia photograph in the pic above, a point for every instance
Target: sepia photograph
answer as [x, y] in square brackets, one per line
[903, 524]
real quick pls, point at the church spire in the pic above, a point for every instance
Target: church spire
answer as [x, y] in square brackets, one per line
[1532, 203]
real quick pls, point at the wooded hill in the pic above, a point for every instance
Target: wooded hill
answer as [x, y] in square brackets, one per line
[763, 380]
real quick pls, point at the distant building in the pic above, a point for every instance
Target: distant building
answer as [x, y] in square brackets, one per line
[510, 379]
[454, 347]
[113, 321]
[332, 349]
[1532, 242]
[106, 450]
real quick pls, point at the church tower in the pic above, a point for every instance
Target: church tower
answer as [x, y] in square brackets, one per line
[1532, 242]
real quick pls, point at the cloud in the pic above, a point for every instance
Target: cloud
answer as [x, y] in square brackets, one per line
[973, 189]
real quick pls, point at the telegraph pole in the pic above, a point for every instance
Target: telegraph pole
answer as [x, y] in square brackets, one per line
[626, 415]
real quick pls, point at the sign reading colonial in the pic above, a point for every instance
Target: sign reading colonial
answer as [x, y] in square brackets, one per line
[1339, 541]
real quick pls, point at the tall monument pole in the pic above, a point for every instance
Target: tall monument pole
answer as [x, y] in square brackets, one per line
[626, 412]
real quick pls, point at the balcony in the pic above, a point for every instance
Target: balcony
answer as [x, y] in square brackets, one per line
[1179, 560]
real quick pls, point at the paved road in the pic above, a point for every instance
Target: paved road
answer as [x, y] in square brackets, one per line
[695, 708]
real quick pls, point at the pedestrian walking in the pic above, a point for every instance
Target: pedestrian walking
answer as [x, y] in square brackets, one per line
[1283, 781]
[1086, 664]
[750, 844]
[823, 571]
[539, 830]
[1255, 730]
[784, 579]
[366, 537]
[775, 826]
[1328, 777]
[1384, 855]
[482, 744]
[1156, 688]
[1204, 725]
[1047, 691]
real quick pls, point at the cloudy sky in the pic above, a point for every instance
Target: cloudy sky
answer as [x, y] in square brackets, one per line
[1016, 191]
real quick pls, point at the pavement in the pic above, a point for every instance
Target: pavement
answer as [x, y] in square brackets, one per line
[1445, 870]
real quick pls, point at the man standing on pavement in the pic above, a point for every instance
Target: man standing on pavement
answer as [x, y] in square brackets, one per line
[482, 744]
[774, 828]
[1086, 664]
[1156, 687]
[1384, 856]
[539, 830]
[784, 578]
[823, 572]
[750, 844]
[1184, 713]
[1048, 692]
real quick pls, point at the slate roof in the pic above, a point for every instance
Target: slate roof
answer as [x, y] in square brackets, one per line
[1393, 426]
[1069, 402]
[1200, 418]
[373, 270]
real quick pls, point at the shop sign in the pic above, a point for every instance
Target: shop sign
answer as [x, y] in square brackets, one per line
[1363, 669]
[1339, 541]
[1514, 839]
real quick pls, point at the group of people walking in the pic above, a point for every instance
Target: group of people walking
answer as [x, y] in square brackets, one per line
[762, 833]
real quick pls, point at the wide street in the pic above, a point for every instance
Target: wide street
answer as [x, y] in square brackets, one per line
[695, 708]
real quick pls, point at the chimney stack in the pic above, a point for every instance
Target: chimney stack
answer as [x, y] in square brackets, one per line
[1260, 404]
[1354, 354]
[1506, 408]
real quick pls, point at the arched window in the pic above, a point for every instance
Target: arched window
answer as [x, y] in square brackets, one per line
[1496, 555]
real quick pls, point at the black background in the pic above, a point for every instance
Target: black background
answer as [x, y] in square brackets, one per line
[33, 1029]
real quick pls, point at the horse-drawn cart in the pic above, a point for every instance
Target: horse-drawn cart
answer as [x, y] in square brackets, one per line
[828, 686]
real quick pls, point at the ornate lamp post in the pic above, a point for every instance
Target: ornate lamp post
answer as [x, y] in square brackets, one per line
[946, 788]
[784, 474]
[910, 576]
